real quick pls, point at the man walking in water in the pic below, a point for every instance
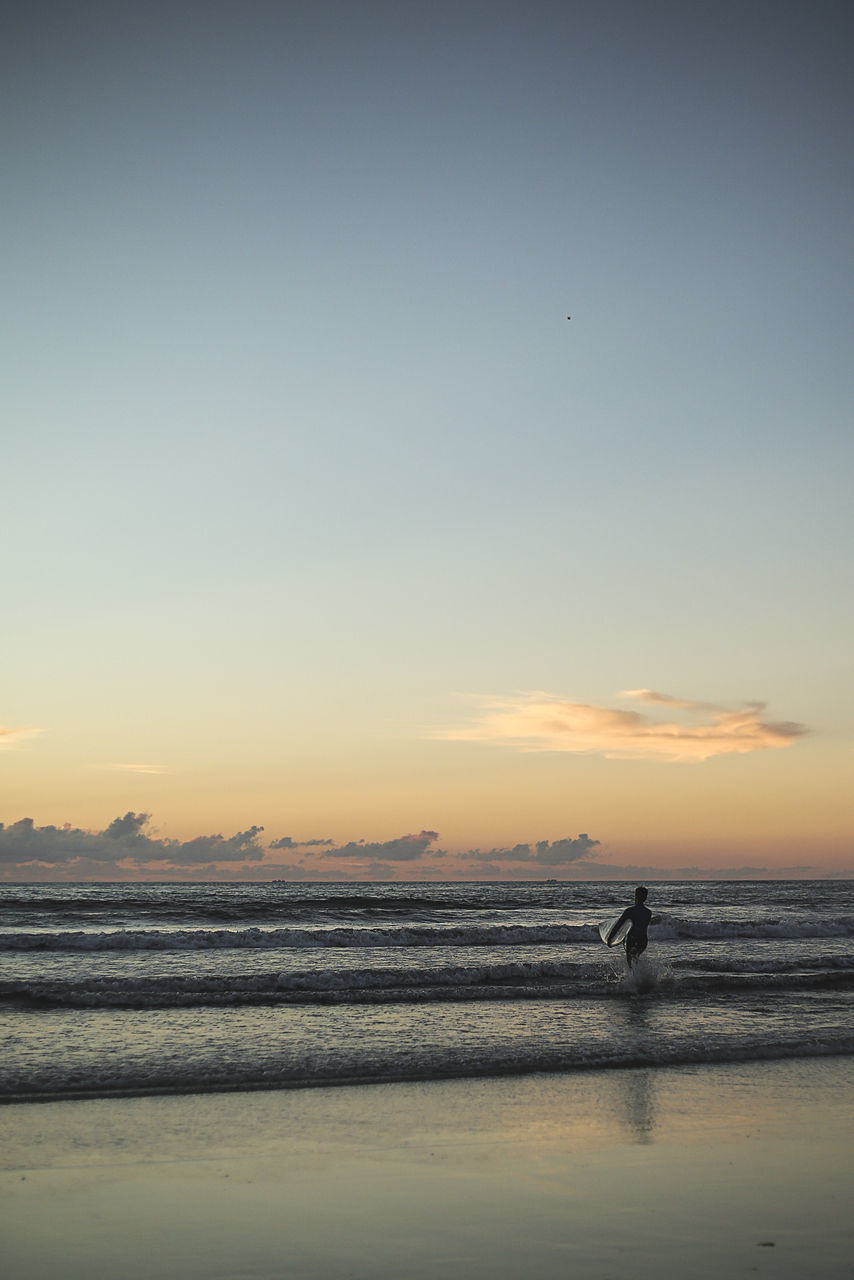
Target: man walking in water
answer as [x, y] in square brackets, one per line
[640, 917]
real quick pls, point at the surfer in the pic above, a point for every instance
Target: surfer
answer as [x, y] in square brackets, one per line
[640, 916]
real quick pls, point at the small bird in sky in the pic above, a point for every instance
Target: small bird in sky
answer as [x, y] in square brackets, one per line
[569, 317]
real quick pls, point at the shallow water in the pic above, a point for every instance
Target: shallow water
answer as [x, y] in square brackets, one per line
[137, 987]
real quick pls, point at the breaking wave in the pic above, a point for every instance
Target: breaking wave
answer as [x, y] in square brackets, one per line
[530, 981]
[412, 935]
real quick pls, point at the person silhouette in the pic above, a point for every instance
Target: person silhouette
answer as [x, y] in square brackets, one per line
[640, 916]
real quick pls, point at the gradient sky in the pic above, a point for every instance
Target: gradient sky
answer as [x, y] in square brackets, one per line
[320, 515]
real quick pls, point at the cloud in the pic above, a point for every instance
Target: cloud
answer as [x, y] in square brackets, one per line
[403, 849]
[124, 840]
[130, 825]
[288, 842]
[546, 722]
[141, 768]
[125, 850]
[126, 846]
[242, 846]
[557, 853]
[664, 699]
[10, 737]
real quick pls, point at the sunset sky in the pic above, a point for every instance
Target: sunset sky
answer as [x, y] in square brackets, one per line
[325, 529]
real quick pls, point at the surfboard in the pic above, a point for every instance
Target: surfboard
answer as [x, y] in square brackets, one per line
[614, 939]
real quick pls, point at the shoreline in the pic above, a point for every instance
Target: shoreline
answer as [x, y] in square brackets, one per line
[179, 1090]
[709, 1169]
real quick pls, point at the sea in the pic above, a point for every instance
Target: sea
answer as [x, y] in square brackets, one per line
[144, 988]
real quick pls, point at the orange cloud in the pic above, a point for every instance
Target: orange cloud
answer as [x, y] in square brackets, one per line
[8, 737]
[141, 768]
[546, 722]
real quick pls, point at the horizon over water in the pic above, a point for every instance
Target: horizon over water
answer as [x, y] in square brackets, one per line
[182, 987]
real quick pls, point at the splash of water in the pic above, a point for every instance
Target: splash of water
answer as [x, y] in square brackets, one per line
[645, 975]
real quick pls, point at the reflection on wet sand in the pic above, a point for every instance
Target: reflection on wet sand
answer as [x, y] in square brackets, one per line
[636, 1088]
[637, 1104]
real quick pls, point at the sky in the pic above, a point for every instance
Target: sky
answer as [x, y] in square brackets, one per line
[333, 547]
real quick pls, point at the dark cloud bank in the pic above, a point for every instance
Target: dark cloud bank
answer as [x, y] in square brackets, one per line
[126, 850]
[126, 846]
[123, 840]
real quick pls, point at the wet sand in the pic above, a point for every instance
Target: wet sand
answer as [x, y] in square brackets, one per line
[731, 1170]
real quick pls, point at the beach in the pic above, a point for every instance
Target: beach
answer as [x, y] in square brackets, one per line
[730, 1169]
[236, 1082]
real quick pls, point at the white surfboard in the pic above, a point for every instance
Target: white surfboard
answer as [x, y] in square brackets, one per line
[614, 939]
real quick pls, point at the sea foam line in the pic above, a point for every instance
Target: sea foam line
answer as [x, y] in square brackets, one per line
[418, 935]
[385, 986]
[446, 1068]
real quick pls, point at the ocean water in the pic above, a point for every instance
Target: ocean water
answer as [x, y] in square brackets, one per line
[134, 987]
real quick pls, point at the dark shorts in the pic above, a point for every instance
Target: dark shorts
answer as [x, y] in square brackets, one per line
[634, 948]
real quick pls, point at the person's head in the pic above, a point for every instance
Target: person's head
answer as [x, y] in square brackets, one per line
[641, 894]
